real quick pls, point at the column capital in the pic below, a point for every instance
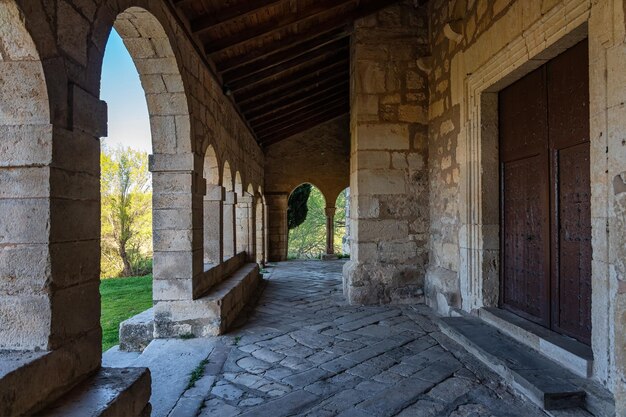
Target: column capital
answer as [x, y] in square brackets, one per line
[214, 193]
[230, 197]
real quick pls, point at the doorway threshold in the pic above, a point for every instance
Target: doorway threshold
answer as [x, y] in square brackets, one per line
[566, 351]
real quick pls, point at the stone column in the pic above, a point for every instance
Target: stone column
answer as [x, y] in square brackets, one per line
[277, 230]
[389, 157]
[244, 225]
[330, 233]
[266, 238]
[229, 233]
[213, 225]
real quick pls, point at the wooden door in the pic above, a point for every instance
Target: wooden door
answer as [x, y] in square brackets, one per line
[545, 195]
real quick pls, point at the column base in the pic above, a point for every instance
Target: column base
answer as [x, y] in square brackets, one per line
[329, 257]
[377, 283]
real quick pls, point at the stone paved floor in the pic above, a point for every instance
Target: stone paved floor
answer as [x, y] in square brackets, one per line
[305, 352]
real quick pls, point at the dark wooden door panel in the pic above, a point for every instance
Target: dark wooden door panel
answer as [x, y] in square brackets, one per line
[568, 97]
[573, 306]
[526, 238]
[545, 195]
[523, 117]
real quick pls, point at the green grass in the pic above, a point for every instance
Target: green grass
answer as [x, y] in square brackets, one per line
[122, 298]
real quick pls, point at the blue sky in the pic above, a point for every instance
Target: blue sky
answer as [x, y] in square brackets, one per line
[129, 124]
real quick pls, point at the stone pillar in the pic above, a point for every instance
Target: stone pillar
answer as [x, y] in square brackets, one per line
[213, 224]
[245, 232]
[389, 157]
[260, 231]
[277, 228]
[345, 241]
[330, 233]
[266, 238]
[229, 233]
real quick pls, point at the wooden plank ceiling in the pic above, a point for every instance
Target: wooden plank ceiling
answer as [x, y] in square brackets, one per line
[285, 62]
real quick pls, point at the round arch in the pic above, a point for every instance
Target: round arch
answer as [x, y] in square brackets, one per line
[211, 169]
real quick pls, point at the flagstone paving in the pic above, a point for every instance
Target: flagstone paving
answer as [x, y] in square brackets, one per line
[303, 351]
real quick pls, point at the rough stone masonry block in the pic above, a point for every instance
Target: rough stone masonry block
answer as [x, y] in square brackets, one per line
[26, 145]
[89, 114]
[24, 321]
[383, 136]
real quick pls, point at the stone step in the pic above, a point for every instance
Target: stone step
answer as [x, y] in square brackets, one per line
[568, 352]
[137, 332]
[110, 392]
[171, 362]
[543, 381]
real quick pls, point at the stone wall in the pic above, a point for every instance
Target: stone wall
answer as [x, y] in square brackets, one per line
[478, 48]
[319, 156]
[59, 145]
[389, 158]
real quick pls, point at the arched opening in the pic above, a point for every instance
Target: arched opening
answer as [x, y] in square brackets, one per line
[228, 213]
[125, 194]
[138, 39]
[306, 220]
[27, 285]
[212, 207]
[259, 207]
[341, 238]
[241, 232]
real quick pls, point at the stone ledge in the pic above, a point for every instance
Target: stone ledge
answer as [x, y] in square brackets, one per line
[110, 392]
[568, 352]
[137, 332]
[210, 315]
[30, 380]
[543, 381]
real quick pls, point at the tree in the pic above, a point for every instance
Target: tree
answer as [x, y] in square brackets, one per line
[308, 240]
[126, 210]
[297, 208]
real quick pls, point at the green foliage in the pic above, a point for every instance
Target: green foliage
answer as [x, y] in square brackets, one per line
[126, 215]
[308, 240]
[297, 207]
[121, 299]
[197, 373]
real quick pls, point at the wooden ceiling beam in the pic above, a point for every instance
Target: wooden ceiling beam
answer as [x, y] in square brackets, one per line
[251, 71]
[305, 125]
[216, 18]
[286, 113]
[269, 49]
[283, 83]
[274, 73]
[301, 86]
[280, 55]
[254, 113]
[297, 118]
[273, 26]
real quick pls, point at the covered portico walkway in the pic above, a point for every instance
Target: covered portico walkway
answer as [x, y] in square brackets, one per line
[304, 351]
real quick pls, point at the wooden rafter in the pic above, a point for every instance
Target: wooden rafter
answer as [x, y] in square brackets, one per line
[286, 113]
[276, 137]
[305, 74]
[274, 26]
[216, 18]
[295, 99]
[252, 71]
[277, 94]
[303, 45]
[305, 115]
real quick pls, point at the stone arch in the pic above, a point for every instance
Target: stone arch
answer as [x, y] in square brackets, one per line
[227, 177]
[173, 163]
[211, 167]
[25, 202]
[297, 235]
[229, 235]
[213, 208]
[260, 222]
